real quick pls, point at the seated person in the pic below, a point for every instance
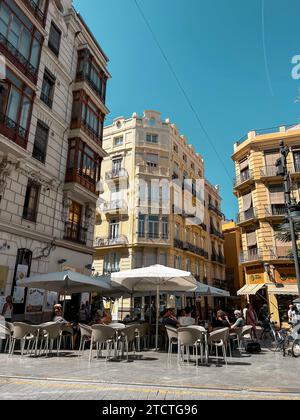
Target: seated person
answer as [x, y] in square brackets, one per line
[58, 316]
[127, 319]
[221, 321]
[188, 312]
[240, 322]
[168, 318]
[106, 319]
[181, 313]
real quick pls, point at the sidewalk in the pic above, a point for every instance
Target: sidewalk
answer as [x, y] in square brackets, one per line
[265, 372]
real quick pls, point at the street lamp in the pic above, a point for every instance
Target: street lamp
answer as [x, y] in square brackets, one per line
[293, 209]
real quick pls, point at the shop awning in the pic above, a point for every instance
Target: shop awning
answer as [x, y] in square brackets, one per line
[285, 289]
[250, 289]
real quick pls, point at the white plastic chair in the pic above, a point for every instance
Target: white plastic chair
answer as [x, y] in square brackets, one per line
[173, 340]
[52, 333]
[142, 333]
[86, 335]
[5, 334]
[102, 335]
[189, 337]
[219, 339]
[127, 336]
[25, 334]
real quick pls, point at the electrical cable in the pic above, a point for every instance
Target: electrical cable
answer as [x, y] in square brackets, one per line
[181, 87]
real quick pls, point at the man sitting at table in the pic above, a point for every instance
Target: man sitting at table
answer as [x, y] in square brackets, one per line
[240, 322]
[169, 318]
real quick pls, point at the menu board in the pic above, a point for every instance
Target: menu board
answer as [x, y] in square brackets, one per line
[35, 300]
[19, 292]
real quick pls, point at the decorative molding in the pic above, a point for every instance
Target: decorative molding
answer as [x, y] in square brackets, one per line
[39, 178]
[6, 168]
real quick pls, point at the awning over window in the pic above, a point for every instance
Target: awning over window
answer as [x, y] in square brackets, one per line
[250, 289]
[285, 289]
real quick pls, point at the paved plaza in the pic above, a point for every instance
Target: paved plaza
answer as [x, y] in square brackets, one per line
[148, 376]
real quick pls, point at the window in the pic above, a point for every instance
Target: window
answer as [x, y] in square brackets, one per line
[118, 141]
[86, 115]
[153, 227]
[54, 39]
[188, 264]
[40, 142]
[83, 165]
[141, 228]
[193, 166]
[90, 71]
[176, 148]
[114, 228]
[47, 93]
[184, 157]
[117, 165]
[20, 38]
[111, 263]
[165, 227]
[296, 156]
[177, 262]
[152, 160]
[177, 231]
[31, 202]
[16, 109]
[152, 138]
[73, 229]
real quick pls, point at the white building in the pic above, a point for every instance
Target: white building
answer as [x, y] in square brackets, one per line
[52, 109]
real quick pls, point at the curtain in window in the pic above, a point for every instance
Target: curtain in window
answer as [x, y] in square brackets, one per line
[276, 194]
[251, 239]
[247, 201]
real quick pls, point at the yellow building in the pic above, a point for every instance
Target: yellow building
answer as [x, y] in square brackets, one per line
[267, 262]
[146, 217]
[234, 270]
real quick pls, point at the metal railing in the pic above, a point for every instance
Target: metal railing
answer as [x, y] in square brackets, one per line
[246, 215]
[17, 58]
[266, 171]
[251, 255]
[279, 210]
[13, 130]
[218, 258]
[116, 205]
[220, 284]
[36, 11]
[215, 232]
[215, 210]
[243, 177]
[115, 174]
[119, 240]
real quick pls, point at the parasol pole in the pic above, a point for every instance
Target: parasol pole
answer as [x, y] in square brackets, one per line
[157, 315]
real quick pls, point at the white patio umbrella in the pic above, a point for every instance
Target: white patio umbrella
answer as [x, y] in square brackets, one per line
[66, 282]
[158, 278]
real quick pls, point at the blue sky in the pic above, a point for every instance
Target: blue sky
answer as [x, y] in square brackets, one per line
[233, 58]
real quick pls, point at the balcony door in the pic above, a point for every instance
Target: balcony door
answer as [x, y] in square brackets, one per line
[114, 229]
[117, 166]
[74, 223]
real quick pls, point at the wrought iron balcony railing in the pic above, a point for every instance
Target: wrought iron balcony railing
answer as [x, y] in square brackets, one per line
[13, 131]
[243, 177]
[246, 216]
[119, 240]
[75, 233]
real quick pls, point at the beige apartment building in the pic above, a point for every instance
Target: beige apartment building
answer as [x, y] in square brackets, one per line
[52, 110]
[155, 206]
[267, 262]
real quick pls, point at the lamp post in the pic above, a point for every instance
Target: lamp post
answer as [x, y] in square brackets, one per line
[293, 210]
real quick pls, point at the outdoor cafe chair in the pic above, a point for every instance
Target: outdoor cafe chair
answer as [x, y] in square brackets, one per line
[5, 334]
[173, 340]
[239, 336]
[66, 332]
[203, 341]
[86, 335]
[127, 336]
[102, 335]
[26, 334]
[189, 337]
[142, 333]
[220, 339]
[51, 333]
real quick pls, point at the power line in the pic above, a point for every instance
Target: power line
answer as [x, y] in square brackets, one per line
[182, 88]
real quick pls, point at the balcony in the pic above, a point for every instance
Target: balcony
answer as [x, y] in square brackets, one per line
[284, 253]
[121, 240]
[116, 175]
[268, 172]
[215, 209]
[153, 238]
[75, 233]
[39, 14]
[244, 178]
[186, 246]
[295, 170]
[17, 59]
[252, 255]
[76, 176]
[115, 207]
[219, 259]
[215, 232]
[13, 131]
[276, 211]
[246, 217]
[220, 284]
[91, 132]
[153, 171]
